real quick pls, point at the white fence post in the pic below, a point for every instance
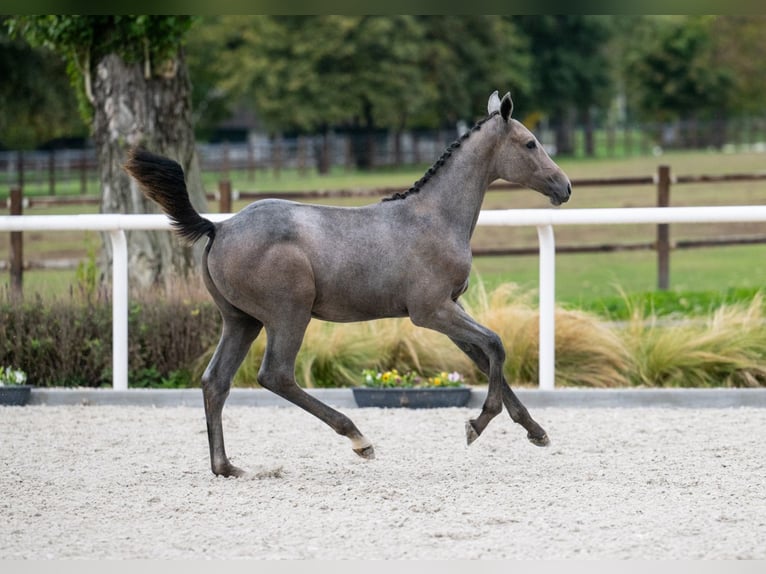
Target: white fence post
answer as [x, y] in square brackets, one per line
[119, 310]
[547, 305]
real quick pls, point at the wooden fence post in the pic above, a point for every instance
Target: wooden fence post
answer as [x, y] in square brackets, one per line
[663, 230]
[17, 246]
[224, 192]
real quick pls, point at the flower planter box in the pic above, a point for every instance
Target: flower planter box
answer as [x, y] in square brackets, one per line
[14, 395]
[428, 398]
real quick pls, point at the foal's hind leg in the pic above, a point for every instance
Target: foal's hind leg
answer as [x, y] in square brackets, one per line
[238, 334]
[518, 411]
[277, 374]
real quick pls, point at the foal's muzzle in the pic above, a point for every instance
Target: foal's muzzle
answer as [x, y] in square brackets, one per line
[561, 194]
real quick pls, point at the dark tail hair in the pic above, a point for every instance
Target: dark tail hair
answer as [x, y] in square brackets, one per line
[162, 180]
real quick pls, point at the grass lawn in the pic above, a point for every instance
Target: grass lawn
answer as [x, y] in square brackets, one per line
[584, 278]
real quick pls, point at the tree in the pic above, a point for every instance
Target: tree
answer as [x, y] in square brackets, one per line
[362, 74]
[36, 103]
[311, 73]
[466, 58]
[132, 83]
[674, 74]
[570, 68]
[736, 43]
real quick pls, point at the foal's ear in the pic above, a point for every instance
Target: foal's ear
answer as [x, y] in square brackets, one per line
[493, 104]
[506, 107]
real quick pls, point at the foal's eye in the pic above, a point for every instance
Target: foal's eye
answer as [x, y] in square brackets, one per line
[531, 144]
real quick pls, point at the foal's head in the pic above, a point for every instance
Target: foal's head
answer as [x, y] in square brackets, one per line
[521, 159]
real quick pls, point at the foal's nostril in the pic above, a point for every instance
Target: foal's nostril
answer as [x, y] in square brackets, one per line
[569, 189]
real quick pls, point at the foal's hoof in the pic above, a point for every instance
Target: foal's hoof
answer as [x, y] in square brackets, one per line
[367, 452]
[470, 432]
[229, 470]
[542, 440]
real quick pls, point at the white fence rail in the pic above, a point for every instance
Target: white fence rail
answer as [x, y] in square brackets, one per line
[543, 219]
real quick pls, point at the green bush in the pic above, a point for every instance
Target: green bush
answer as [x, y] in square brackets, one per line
[69, 342]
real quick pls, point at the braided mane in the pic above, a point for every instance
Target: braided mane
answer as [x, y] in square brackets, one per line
[418, 185]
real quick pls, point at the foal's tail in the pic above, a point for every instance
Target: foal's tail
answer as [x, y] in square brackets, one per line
[162, 180]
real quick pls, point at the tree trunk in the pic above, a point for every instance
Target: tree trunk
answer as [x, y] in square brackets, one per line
[154, 112]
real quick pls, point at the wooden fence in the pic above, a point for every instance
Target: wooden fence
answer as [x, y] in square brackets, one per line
[663, 180]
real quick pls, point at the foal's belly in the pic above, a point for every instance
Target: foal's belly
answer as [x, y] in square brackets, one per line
[346, 306]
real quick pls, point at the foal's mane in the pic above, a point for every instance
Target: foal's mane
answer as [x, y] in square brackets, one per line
[418, 185]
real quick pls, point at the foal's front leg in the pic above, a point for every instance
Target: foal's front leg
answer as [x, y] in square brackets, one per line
[454, 322]
[516, 409]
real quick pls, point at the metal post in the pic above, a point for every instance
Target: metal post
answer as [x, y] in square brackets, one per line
[547, 296]
[119, 310]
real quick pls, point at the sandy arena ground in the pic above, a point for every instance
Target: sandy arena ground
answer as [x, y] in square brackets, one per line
[134, 482]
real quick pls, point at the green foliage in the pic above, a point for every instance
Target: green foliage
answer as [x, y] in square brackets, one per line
[673, 73]
[12, 377]
[36, 103]
[87, 274]
[312, 73]
[309, 72]
[84, 40]
[570, 65]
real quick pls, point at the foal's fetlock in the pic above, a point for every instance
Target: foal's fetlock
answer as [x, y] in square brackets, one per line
[470, 432]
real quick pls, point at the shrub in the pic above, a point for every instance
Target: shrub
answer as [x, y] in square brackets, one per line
[68, 342]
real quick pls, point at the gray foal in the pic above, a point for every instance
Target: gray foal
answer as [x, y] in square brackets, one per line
[276, 264]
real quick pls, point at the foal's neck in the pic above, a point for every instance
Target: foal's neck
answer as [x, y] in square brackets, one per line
[456, 190]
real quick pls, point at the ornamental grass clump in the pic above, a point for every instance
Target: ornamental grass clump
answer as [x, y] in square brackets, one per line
[589, 353]
[727, 349]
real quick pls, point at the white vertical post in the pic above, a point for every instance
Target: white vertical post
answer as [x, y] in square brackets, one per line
[547, 296]
[119, 310]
